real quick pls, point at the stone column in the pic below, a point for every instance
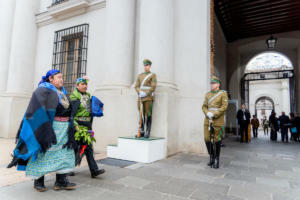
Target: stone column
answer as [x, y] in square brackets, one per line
[156, 40]
[23, 48]
[116, 76]
[7, 9]
[20, 59]
[192, 72]
[120, 33]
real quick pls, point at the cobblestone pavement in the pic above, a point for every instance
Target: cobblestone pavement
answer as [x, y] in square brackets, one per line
[259, 170]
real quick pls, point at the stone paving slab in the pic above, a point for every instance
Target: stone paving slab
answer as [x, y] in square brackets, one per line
[260, 170]
[133, 182]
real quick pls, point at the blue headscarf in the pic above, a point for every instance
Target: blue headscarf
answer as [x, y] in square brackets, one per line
[48, 74]
[44, 83]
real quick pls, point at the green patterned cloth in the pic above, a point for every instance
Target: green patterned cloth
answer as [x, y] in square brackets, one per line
[84, 109]
[56, 159]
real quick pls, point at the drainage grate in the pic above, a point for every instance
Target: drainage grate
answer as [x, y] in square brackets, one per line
[116, 162]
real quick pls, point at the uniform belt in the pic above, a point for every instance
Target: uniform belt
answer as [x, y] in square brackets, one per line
[213, 109]
[145, 88]
[84, 119]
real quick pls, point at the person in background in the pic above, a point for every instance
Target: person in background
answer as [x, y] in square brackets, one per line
[284, 121]
[255, 125]
[293, 128]
[243, 116]
[297, 122]
[265, 125]
[273, 123]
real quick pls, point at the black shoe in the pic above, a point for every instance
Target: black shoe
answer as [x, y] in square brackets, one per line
[94, 174]
[62, 183]
[216, 164]
[39, 184]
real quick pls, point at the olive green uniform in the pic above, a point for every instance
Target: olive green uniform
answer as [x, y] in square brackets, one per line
[217, 103]
[148, 86]
[214, 106]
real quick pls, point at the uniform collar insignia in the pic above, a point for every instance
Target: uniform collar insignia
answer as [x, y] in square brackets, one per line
[215, 91]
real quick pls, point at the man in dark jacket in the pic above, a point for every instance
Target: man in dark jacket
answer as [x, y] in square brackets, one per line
[243, 116]
[273, 123]
[284, 121]
[297, 122]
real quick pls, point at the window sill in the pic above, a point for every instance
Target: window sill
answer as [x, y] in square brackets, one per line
[67, 9]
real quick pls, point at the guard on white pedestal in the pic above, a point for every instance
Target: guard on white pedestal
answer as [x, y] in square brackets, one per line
[145, 86]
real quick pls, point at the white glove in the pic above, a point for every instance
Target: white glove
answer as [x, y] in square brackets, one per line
[142, 94]
[210, 115]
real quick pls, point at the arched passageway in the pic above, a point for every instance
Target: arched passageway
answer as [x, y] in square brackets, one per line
[269, 74]
[264, 106]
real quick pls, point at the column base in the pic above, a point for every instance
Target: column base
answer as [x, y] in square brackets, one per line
[13, 107]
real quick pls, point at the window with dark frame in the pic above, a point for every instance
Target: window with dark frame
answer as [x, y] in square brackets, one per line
[70, 53]
[55, 2]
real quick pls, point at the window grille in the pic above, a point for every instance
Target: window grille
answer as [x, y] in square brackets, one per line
[70, 53]
[54, 2]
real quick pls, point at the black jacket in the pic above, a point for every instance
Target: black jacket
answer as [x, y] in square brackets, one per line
[240, 117]
[297, 122]
[273, 122]
[284, 121]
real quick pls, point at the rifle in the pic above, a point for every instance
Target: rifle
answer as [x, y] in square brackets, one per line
[212, 147]
[141, 119]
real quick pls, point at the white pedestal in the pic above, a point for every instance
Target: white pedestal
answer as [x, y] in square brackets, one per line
[143, 150]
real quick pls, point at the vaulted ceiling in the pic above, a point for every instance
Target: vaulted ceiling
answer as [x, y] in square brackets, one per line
[250, 18]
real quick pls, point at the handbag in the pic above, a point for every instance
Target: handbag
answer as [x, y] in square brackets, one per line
[96, 107]
[294, 130]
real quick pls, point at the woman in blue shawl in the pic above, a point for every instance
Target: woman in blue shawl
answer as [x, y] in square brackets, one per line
[45, 140]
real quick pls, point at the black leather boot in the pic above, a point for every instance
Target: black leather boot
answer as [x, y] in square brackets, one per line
[62, 183]
[218, 151]
[210, 151]
[148, 130]
[39, 184]
[96, 173]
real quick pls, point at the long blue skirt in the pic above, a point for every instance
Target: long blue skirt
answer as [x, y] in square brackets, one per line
[56, 159]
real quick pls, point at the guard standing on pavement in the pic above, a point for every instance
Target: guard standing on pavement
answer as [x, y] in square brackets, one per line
[214, 107]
